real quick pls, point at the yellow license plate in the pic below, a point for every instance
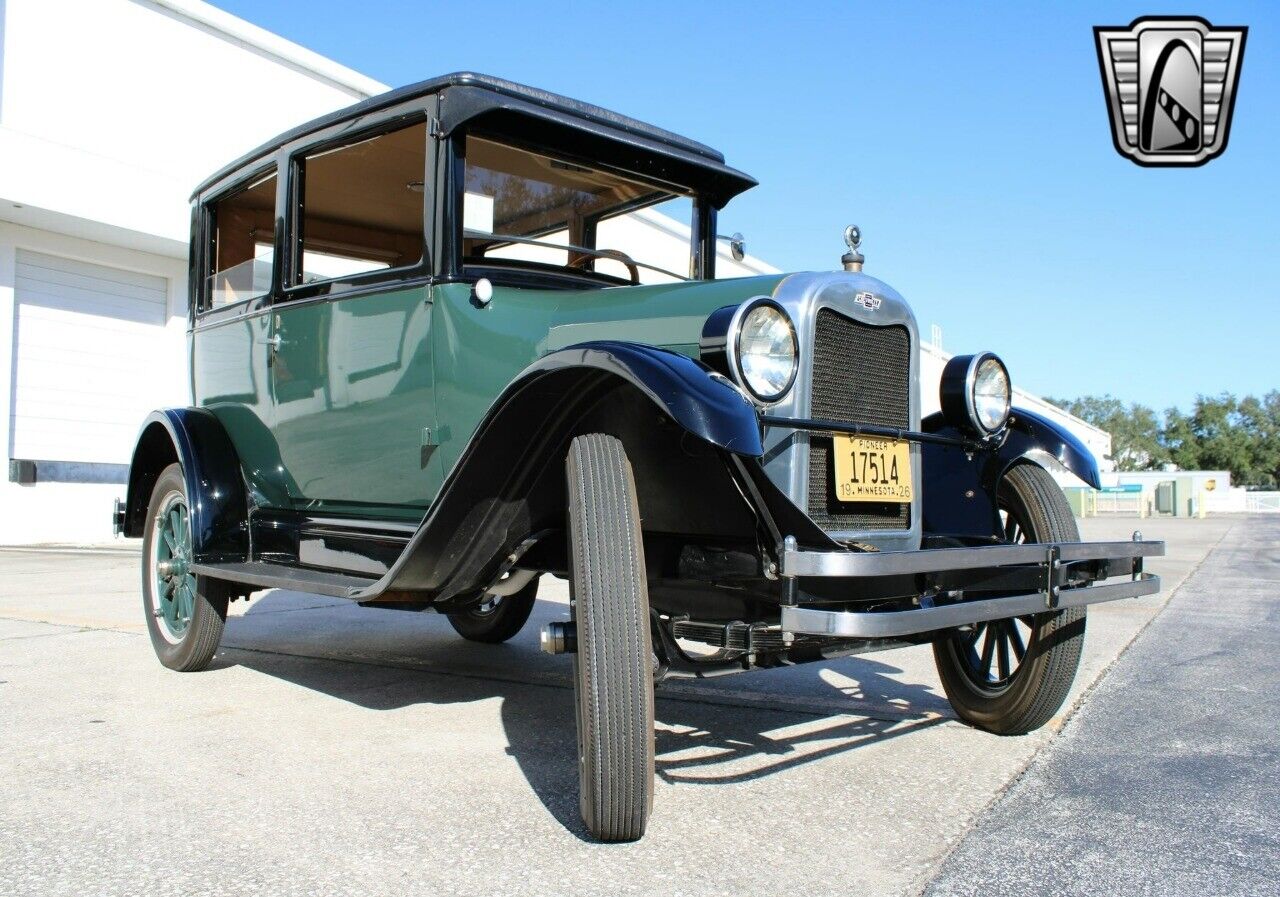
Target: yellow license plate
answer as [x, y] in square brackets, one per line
[868, 469]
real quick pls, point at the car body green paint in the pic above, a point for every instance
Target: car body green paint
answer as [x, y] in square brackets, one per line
[352, 388]
[369, 399]
[479, 350]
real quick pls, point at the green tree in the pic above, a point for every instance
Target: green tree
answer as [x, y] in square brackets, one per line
[1220, 433]
[1242, 436]
[1134, 429]
[1262, 418]
[1180, 441]
[1224, 442]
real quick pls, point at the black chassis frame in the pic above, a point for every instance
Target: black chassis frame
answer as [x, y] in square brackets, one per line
[725, 571]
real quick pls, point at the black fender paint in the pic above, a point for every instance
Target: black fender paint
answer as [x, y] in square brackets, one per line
[1031, 434]
[960, 484]
[215, 487]
[705, 405]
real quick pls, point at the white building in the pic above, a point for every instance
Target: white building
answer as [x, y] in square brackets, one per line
[106, 125]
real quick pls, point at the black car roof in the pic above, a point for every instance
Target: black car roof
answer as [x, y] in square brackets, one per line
[562, 108]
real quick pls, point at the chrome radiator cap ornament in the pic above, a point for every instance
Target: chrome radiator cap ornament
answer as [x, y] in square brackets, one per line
[853, 259]
[1170, 84]
[853, 237]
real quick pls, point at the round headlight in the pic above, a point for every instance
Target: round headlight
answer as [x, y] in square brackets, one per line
[976, 393]
[767, 353]
[991, 394]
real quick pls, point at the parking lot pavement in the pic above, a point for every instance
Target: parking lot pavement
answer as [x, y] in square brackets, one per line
[335, 749]
[1168, 780]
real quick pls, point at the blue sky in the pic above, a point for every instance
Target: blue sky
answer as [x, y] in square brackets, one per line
[969, 141]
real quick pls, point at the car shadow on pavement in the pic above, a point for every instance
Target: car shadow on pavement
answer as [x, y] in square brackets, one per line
[731, 745]
[388, 660]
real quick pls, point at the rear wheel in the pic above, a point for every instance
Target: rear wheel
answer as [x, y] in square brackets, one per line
[497, 618]
[185, 612]
[1011, 676]
[613, 667]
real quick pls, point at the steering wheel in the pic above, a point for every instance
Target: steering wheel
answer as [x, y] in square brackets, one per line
[618, 256]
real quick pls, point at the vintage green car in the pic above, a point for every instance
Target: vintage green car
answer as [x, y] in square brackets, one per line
[433, 357]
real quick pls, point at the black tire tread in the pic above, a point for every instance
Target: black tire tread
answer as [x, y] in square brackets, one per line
[1060, 634]
[1064, 658]
[613, 669]
[207, 625]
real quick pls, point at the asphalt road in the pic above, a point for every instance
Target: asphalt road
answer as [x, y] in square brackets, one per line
[335, 749]
[1168, 779]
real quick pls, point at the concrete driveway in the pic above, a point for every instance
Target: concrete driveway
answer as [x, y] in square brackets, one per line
[335, 749]
[1167, 781]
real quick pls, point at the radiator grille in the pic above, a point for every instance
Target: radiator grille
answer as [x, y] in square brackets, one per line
[861, 374]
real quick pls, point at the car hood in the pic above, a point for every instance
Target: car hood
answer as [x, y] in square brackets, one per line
[668, 315]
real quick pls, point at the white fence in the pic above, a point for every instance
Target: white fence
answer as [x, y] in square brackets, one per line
[1125, 504]
[1262, 502]
[1090, 503]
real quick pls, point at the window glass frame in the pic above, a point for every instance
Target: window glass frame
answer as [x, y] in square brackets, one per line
[290, 287]
[522, 270]
[206, 256]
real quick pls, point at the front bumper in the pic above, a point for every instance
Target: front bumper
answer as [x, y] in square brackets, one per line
[1051, 561]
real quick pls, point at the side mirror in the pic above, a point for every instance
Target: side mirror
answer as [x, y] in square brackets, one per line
[737, 245]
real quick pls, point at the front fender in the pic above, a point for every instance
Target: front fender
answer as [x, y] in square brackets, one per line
[194, 438]
[705, 404]
[508, 482]
[1032, 436]
[960, 484]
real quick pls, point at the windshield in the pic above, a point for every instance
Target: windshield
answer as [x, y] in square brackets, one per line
[527, 210]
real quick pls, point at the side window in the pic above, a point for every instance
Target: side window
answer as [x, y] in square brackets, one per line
[361, 206]
[244, 233]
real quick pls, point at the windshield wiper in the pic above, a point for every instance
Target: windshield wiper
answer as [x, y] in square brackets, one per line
[616, 254]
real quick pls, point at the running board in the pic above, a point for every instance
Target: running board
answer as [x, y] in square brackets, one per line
[887, 624]
[263, 575]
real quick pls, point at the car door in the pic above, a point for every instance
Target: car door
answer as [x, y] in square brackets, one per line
[353, 394]
[350, 365]
[232, 324]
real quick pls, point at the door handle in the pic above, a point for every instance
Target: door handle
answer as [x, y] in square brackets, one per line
[275, 342]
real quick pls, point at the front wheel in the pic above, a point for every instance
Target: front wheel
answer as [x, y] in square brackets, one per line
[1011, 676]
[613, 667]
[185, 612]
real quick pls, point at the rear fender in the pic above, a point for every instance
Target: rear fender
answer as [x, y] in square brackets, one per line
[194, 438]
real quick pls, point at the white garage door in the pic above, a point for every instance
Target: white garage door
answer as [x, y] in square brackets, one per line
[86, 347]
